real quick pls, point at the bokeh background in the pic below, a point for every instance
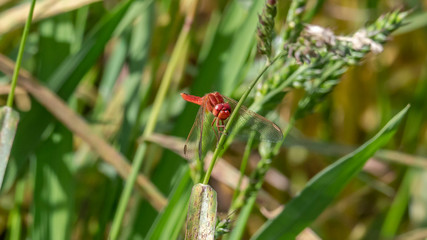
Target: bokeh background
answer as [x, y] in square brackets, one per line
[107, 65]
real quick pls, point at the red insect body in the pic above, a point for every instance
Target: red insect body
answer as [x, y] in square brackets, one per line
[190, 98]
[216, 104]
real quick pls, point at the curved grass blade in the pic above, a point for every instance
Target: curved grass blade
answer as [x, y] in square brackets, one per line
[234, 38]
[169, 223]
[393, 218]
[54, 186]
[324, 187]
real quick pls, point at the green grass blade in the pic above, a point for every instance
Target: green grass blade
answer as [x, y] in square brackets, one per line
[241, 222]
[234, 39]
[324, 187]
[169, 223]
[398, 208]
[240, 48]
[139, 49]
[414, 22]
[15, 218]
[20, 54]
[415, 120]
[56, 35]
[111, 73]
[309, 15]
[69, 74]
[142, 220]
[108, 197]
[8, 124]
[53, 188]
[81, 19]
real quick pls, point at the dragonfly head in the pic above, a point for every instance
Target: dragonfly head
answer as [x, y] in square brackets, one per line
[222, 111]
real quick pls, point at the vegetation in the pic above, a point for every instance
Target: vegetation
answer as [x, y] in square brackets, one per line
[98, 149]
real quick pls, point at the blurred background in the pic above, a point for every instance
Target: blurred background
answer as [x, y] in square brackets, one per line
[107, 59]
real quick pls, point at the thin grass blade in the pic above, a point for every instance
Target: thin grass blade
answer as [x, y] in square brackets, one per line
[399, 206]
[169, 223]
[15, 225]
[53, 186]
[137, 93]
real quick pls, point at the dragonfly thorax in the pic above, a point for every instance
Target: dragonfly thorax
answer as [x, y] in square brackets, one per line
[222, 111]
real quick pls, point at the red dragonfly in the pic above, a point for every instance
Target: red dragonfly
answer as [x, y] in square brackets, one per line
[215, 109]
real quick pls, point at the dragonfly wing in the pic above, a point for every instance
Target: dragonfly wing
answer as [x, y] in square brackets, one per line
[249, 121]
[200, 138]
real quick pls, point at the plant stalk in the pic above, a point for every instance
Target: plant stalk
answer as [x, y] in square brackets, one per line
[20, 54]
[243, 165]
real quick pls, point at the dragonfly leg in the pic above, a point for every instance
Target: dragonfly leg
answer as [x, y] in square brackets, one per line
[212, 125]
[218, 126]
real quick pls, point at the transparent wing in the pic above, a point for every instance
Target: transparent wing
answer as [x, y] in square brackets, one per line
[249, 121]
[201, 136]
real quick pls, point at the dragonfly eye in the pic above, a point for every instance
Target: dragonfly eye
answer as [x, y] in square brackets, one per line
[217, 109]
[226, 107]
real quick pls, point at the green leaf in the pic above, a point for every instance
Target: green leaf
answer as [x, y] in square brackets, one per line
[53, 207]
[56, 35]
[232, 43]
[414, 22]
[169, 223]
[399, 206]
[15, 225]
[139, 47]
[111, 73]
[324, 187]
[242, 221]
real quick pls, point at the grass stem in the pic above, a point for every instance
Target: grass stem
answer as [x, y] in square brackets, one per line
[243, 165]
[20, 54]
